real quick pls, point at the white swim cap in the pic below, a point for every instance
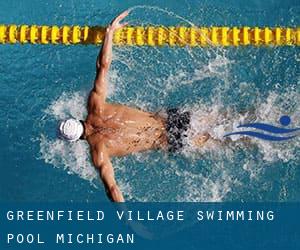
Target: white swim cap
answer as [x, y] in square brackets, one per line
[70, 130]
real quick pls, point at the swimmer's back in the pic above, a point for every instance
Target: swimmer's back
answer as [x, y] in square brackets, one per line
[126, 130]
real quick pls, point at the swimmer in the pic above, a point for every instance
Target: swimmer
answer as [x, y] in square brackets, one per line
[114, 130]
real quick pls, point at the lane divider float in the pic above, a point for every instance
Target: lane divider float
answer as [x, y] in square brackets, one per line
[152, 35]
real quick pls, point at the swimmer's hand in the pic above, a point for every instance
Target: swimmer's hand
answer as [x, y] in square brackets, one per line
[115, 24]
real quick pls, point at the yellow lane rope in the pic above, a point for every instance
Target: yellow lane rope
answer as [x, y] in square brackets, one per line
[152, 35]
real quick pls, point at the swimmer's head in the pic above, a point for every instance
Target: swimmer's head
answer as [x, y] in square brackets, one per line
[70, 130]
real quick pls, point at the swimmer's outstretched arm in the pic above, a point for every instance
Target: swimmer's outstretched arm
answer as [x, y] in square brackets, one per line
[103, 164]
[105, 56]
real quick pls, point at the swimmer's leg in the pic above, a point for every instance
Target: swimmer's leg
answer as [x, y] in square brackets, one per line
[200, 140]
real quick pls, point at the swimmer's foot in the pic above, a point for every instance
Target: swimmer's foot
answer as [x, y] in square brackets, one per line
[200, 140]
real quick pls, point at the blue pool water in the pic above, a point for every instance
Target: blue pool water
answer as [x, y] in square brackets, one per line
[42, 84]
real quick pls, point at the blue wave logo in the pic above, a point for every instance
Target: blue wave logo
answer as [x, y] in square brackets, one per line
[279, 133]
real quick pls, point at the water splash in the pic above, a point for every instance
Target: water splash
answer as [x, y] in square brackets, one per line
[74, 158]
[192, 185]
[215, 85]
